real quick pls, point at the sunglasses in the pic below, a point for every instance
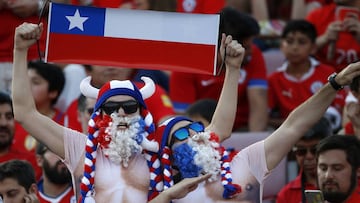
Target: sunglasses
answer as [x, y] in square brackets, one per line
[301, 151]
[129, 107]
[183, 132]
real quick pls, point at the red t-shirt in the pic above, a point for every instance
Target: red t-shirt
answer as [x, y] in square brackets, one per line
[286, 92]
[199, 6]
[23, 155]
[66, 197]
[292, 191]
[9, 22]
[347, 47]
[355, 196]
[186, 88]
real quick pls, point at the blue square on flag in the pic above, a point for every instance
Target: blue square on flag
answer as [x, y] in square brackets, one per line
[69, 19]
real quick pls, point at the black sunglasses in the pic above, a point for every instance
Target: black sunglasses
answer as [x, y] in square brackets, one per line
[129, 107]
[301, 151]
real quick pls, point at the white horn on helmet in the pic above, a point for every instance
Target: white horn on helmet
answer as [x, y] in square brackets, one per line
[148, 89]
[87, 89]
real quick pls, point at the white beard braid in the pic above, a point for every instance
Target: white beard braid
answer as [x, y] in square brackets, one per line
[123, 144]
[207, 157]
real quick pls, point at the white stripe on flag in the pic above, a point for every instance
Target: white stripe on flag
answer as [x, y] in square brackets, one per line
[162, 26]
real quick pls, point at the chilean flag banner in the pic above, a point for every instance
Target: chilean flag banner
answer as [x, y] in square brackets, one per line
[132, 38]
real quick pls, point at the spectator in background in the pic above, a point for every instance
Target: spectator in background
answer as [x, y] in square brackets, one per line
[47, 83]
[338, 41]
[300, 76]
[304, 151]
[187, 88]
[7, 131]
[338, 168]
[17, 182]
[55, 184]
[12, 14]
[202, 111]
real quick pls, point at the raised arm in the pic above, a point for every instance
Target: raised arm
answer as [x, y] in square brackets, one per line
[300, 120]
[224, 115]
[39, 126]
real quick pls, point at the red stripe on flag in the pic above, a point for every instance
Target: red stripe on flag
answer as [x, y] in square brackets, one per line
[132, 53]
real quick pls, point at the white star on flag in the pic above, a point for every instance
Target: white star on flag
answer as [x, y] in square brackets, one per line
[76, 21]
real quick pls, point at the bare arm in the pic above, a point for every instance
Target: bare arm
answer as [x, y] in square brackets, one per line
[224, 115]
[39, 126]
[279, 143]
[258, 116]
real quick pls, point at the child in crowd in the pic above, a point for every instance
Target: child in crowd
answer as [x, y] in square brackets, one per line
[300, 76]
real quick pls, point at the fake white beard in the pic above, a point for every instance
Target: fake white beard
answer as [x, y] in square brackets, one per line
[207, 157]
[123, 144]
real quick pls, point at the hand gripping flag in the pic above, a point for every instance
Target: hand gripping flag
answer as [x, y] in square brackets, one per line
[132, 38]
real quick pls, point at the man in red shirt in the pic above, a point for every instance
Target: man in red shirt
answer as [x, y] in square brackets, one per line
[304, 151]
[55, 184]
[7, 129]
[338, 39]
[338, 166]
[186, 88]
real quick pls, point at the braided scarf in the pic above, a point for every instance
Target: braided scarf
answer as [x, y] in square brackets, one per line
[97, 126]
[230, 189]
